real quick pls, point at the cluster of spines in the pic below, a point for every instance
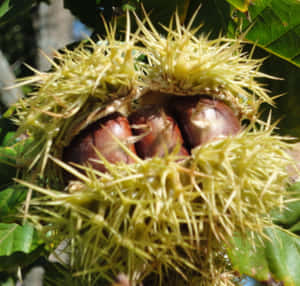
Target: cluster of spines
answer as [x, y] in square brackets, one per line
[185, 64]
[157, 214]
[89, 79]
[81, 82]
[160, 214]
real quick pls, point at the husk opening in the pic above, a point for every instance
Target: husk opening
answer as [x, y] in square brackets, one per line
[159, 215]
[99, 78]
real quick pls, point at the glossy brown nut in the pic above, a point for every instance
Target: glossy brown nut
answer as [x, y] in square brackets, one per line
[162, 133]
[102, 136]
[203, 119]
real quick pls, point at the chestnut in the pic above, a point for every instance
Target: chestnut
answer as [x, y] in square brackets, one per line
[161, 132]
[101, 135]
[203, 119]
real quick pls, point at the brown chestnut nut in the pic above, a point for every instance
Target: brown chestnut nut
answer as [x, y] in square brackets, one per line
[161, 132]
[203, 119]
[101, 135]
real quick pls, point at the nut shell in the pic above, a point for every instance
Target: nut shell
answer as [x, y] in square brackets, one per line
[161, 132]
[103, 136]
[203, 119]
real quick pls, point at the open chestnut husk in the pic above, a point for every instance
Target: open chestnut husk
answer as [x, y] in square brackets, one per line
[203, 119]
[160, 221]
[161, 132]
[103, 135]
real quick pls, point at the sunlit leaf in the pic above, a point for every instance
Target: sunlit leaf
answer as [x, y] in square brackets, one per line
[14, 238]
[291, 215]
[10, 198]
[8, 139]
[4, 8]
[11, 149]
[273, 25]
[277, 257]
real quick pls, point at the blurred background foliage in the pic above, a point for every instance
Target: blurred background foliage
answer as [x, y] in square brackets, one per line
[18, 43]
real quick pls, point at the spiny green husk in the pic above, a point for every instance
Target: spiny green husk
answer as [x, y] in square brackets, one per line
[87, 84]
[75, 93]
[247, 178]
[184, 64]
[161, 214]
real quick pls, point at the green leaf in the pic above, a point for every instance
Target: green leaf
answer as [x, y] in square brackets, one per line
[291, 215]
[277, 257]
[9, 138]
[273, 25]
[10, 198]
[241, 5]
[248, 261]
[4, 7]
[10, 154]
[15, 238]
